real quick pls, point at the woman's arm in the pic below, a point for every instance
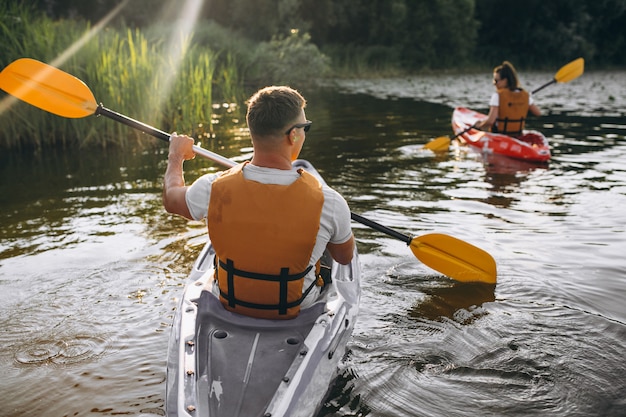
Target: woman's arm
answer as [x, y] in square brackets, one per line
[534, 110]
[490, 120]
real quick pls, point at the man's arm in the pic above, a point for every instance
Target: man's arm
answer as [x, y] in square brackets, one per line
[342, 252]
[174, 189]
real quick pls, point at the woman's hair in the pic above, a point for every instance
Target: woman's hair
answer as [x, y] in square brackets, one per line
[507, 70]
[271, 109]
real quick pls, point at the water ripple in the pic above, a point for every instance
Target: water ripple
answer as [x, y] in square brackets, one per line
[61, 352]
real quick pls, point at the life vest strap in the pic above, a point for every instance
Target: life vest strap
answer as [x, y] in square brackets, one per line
[283, 276]
[505, 124]
[324, 277]
[283, 279]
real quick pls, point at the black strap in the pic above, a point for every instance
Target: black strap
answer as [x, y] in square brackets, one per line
[230, 268]
[264, 277]
[506, 121]
[283, 279]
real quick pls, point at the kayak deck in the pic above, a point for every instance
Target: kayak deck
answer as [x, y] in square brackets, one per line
[531, 145]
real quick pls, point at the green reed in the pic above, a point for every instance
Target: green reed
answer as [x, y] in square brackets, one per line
[167, 82]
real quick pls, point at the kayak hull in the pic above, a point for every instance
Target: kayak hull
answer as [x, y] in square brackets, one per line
[222, 363]
[531, 145]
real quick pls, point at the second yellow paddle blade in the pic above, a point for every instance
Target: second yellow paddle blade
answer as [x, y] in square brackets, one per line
[440, 144]
[455, 258]
[48, 88]
[570, 71]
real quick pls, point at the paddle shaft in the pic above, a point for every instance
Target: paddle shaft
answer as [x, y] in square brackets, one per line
[159, 134]
[544, 86]
[463, 131]
[377, 226]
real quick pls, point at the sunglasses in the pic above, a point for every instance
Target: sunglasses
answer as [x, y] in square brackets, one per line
[306, 126]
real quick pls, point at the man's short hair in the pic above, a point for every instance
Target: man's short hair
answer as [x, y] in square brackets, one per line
[271, 109]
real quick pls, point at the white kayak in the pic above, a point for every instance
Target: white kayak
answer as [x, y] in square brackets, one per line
[225, 364]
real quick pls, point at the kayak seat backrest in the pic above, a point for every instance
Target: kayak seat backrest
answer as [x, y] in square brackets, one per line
[533, 139]
[262, 351]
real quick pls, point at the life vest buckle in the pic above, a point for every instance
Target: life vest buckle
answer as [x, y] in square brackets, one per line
[324, 277]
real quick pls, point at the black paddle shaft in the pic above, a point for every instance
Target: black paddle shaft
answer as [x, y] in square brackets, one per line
[376, 226]
[159, 134]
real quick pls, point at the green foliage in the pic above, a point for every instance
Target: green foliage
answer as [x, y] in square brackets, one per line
[292, 60]
[349, 61]
[407, 35]
[26, 32]
[259, 20]
[548, 33]
[162, 82]
[438, 34]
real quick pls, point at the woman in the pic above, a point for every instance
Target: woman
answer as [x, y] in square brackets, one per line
[509, 105]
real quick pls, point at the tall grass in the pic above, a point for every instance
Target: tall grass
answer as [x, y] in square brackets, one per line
[139, 79]
[125, 71]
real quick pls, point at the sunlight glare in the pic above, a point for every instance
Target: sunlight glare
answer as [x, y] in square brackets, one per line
[178, 45]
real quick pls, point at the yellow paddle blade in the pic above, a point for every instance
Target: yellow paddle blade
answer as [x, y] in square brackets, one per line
[570, 71]
[48, 88]
[440, 144]
[455, 258]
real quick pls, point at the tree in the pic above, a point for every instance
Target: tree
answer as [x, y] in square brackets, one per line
[538, 33]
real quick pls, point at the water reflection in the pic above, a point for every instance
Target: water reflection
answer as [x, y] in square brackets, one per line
[460, 302]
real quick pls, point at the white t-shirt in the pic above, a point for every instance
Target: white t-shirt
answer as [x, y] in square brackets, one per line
[335, 223]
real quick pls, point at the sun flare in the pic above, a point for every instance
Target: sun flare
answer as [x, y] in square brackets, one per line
[178, 43]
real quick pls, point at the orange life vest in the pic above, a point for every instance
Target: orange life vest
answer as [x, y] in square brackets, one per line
[263, 235]
[512, 111]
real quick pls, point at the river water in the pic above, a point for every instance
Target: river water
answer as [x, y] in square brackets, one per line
[91, 267]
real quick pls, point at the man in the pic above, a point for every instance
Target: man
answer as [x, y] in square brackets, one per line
[269, 223]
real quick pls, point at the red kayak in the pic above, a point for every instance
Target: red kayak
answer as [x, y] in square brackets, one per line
[529, 146]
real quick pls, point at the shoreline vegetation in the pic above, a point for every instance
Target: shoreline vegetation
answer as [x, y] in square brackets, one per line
[132, 71]
[193, 82]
